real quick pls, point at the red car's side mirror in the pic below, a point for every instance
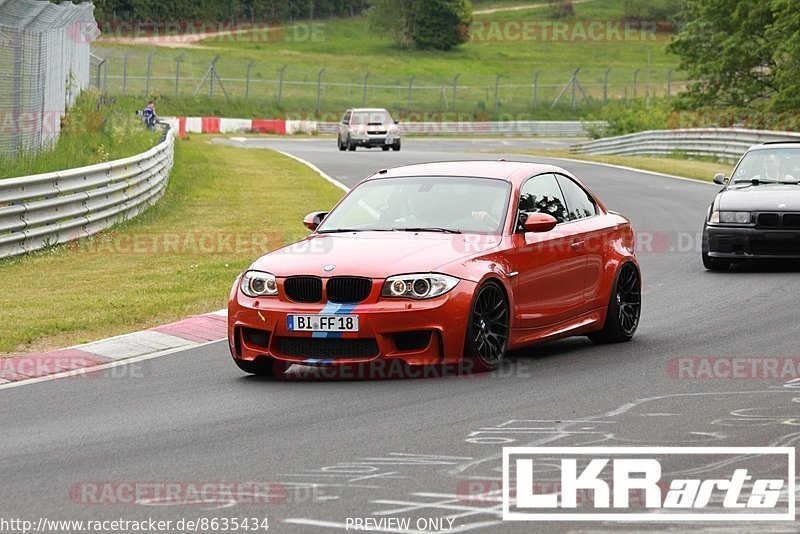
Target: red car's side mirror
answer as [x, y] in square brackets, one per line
[539, 222]
[314, 219]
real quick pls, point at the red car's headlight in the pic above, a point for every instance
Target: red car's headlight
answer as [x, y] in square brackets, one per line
[258, 284]
[418, 286]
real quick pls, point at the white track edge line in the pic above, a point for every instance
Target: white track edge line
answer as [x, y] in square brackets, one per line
[316, 169]
[107, 365]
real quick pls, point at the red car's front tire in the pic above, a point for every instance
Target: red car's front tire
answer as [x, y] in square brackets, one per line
[488, 329]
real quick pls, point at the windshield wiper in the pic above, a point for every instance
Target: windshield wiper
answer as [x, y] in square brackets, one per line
[757, 181]
[429, 229]
[348, 230]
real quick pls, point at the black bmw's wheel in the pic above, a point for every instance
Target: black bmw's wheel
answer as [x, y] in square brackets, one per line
[488, 329]
[624, 308]
[263, 367]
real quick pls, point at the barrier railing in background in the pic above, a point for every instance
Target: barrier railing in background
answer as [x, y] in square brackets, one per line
[184, 125]
[722, 143]
[47, 209]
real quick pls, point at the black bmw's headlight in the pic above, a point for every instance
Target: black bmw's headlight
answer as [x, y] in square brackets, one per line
[259, 284]
[418, 286]
[731, 217]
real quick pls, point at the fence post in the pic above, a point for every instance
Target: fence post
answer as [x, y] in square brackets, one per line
[669, 83]
[635, 79]
[212, 70]
[178, 72]
[125, 73]
[280, 83]
[247, 82]
[455, 92]
[99, 69]
[497, 93]
[605, 87]
[149, 63]
[364, 98]
[535, 89]
[575, 88]
[319, 89]
[410, 88]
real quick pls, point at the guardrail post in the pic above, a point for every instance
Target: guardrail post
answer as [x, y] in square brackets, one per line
[280, 83]
[535, 89]
[149, 64]
[364, 97]
[319, 89]
[605, 87]
[247, 82]
[455, 92]
[178, 72]
[635, 80]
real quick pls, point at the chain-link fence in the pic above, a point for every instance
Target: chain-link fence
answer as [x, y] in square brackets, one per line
[44, 64]
[300, 88]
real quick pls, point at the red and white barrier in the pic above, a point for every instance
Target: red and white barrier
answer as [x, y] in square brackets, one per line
[217, 125]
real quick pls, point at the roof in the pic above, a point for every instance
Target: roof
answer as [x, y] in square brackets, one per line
[511, 171]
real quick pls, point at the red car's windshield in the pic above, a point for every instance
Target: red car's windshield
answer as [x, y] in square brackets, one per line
[433, 203]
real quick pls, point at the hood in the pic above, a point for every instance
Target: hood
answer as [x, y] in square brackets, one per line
[761, 198]
[373, 254]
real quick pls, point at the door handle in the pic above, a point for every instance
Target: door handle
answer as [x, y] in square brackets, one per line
[577, 245]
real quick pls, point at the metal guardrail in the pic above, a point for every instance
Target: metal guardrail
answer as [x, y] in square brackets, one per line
[47, 209]
[510, 128]
[722, 143]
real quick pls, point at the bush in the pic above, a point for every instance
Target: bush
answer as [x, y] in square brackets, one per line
[424, 24]
[561, 9]
[624, 118]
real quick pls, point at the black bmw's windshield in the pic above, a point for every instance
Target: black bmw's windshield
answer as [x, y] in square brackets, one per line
[768, 166]
[443, 204]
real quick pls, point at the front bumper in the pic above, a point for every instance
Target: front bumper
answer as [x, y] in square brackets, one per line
[376, 141]
[427, 332]
[747, 242]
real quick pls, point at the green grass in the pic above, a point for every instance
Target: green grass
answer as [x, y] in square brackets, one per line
[676, 166]
[177, 259]
[94, 130]
[348, 50]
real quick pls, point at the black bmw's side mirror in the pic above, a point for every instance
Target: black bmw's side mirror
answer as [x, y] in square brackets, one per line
[720, 178]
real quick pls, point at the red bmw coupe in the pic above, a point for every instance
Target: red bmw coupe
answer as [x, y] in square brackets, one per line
[440, 263]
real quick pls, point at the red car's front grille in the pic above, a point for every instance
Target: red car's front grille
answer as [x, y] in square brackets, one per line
[303, 288]
[348, 289]
[327, 348]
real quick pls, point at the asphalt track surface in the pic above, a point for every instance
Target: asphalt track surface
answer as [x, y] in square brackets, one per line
[407, 447]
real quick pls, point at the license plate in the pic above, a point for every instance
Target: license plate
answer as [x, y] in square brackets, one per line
[322, 323]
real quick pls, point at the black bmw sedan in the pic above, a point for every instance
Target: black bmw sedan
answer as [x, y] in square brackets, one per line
[757, 213]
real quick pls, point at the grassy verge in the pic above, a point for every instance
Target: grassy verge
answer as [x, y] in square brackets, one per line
[95, 130]
[689, 168]
[224, 207]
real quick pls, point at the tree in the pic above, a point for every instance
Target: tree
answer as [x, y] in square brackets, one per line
[442, 24]
[424, 24]
[785, 34]
[727, 46]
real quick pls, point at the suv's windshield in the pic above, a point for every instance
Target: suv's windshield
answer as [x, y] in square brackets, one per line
[769, 166]
[371, 117]
[429, 203]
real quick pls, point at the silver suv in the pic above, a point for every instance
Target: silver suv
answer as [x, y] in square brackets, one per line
[368, 127]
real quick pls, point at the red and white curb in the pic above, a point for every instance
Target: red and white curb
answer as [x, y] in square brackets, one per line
[222, 125]
[156, 341]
